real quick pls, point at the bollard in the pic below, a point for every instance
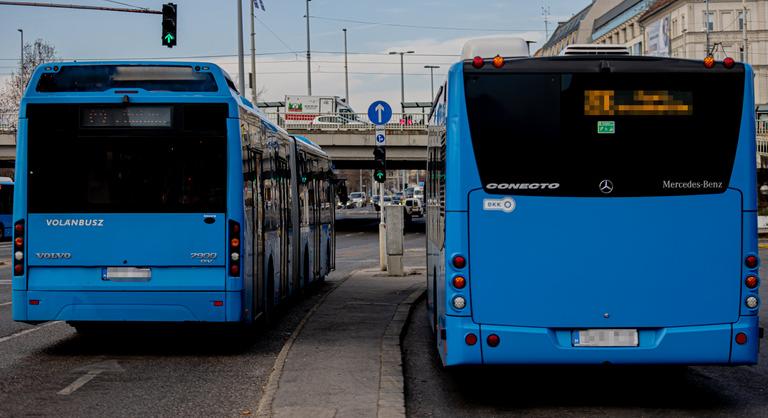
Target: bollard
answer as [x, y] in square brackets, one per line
[395, 224]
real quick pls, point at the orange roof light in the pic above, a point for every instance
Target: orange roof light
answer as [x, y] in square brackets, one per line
[498, 61]
[709, 61]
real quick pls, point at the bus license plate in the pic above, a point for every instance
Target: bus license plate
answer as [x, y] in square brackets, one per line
[606, 338]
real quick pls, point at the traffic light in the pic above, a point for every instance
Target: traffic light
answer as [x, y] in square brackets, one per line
[169, 25]
[380, 164]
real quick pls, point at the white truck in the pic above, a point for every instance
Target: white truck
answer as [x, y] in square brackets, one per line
[305, 109]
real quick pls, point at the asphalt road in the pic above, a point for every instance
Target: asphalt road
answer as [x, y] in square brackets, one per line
[578, 391]
[158, 372]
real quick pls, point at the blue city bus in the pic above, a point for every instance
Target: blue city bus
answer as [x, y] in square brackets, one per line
[6, 207]
[154, 192]
[592, 209]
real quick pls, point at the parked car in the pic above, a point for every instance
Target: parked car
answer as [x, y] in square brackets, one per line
[387, 202]
[413, 208]
[357, 200]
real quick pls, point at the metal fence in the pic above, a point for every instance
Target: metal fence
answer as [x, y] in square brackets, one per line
[347, 121]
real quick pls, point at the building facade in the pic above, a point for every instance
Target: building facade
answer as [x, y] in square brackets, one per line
[691, 28]
[577, 29]
[621, 25]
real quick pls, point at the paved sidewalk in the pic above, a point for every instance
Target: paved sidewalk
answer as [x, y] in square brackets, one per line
[336, 364]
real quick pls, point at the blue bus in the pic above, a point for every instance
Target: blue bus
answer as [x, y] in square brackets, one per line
[6, 207]
[592, 209]
[155, 192]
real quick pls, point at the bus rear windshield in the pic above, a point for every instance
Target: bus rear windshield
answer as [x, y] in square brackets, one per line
[605, 133]
[75, 168]
[93, 78]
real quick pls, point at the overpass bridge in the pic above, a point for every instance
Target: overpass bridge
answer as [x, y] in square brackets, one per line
[349, 138]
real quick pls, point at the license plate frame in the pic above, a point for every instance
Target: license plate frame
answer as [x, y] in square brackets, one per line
[126, 274]
[606, 337]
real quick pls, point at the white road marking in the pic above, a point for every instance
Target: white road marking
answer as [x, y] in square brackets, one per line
[5, 303]
[6, 281]
[27, 331]
[92, 370]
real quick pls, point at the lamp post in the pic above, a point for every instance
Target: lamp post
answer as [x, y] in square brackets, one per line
[432, 69]
[402, 77]
[346, 69]
[309, 57]
[254, 92]
[240, 59]
[21, 68]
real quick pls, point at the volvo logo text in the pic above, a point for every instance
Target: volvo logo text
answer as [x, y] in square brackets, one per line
[54, 256]
[606, 186]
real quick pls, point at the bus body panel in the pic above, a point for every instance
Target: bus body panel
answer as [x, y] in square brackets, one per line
[607, 263]
[143, 240]
[743, 176]
[163, 279]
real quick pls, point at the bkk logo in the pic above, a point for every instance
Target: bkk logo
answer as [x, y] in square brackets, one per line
[75, 222]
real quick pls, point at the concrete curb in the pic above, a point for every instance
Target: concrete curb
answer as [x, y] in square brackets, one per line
[391, 401]
[264, 409]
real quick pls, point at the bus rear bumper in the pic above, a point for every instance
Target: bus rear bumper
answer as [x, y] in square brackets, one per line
[710, 344]
[37, 306]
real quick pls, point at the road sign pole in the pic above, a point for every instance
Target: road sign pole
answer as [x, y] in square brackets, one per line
[382, 231]
[379, 113]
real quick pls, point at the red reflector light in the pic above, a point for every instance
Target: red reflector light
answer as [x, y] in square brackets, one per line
[709, 61]
[19, 241]
[234, 270]
[741, 338]
[34, 302]
[235, 228]
[218, 303]
[478, 62]
[729, 63]
[459, 282]
[459, 262]
[751, 282]
[493, 340]
[235, 242]
[470, 339]
[498, 61]
[18, 269]
[19, 228]
[751, 261]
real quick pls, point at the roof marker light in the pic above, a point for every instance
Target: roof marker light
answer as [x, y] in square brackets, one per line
[709, 61]
[729, 63]
[498, 61]
[478, 62]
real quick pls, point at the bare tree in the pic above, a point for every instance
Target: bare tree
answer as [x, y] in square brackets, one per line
[35, 53]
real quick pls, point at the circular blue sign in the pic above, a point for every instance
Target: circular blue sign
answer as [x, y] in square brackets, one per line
[379, 112]
[380, 138]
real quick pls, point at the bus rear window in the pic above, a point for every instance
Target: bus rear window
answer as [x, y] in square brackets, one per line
[77, 169]
[92, 78]
[566, 133]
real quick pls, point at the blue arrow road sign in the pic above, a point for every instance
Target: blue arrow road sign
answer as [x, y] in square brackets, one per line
[380, 112]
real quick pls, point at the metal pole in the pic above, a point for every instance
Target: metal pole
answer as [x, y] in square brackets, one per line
[744, 57]
[432, 78]
[240, 53]
[254, 89]
[309, 57]
[21, 68]
[402, 84]
[346, 69]
[706, 23]
[77, 6]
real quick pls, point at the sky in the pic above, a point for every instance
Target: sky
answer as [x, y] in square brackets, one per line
[207, 32]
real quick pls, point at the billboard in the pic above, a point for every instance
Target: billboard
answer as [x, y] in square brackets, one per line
[658, 44]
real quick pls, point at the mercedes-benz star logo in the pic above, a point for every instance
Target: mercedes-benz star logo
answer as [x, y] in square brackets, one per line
[606, 186]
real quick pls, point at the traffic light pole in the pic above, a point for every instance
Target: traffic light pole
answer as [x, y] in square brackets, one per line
[382, 231]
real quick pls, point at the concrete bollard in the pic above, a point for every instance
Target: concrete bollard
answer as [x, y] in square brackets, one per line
[395, 225]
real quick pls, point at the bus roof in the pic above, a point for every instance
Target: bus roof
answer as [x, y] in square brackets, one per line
[303, 140]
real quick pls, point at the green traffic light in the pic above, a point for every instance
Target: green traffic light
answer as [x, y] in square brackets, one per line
[168, 37]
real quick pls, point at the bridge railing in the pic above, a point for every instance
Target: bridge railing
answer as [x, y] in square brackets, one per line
[347, 121]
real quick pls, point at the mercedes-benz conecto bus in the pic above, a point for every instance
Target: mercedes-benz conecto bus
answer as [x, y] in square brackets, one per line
[592, 209]
[155, 192]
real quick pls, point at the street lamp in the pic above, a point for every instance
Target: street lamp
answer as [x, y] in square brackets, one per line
[309, 57]
[402, 77]
[432, 69]
[346, 69]
[21, 72]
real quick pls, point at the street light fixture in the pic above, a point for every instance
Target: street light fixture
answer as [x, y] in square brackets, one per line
[432, 69]
[402, 77]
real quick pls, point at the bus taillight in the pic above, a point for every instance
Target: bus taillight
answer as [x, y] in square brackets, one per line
[751, 282]
[459, 262]
[18, 244]
[751, 261]
[234, 248]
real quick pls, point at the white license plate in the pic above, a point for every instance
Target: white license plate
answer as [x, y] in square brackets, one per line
[126, 274]
[606, 338]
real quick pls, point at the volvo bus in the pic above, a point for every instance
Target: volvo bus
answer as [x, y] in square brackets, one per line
[592, 209]
[154, 192]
